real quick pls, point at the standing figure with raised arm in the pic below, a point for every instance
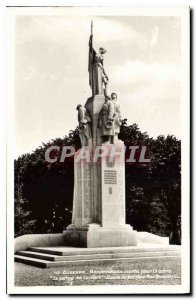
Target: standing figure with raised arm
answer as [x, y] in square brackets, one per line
[98, 79]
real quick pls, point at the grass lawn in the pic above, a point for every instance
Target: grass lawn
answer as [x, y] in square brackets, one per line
[152, 271]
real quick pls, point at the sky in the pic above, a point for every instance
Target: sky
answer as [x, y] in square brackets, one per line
[51, 73]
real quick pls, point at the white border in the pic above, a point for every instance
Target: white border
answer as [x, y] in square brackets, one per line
[9, 50]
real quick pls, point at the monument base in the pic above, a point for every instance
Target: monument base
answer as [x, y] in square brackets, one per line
[94, 236]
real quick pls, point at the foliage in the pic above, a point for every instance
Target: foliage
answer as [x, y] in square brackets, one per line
[23, 219]
[44, 191]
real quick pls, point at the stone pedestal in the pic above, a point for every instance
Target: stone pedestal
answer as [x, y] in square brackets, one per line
[99, 214]
[83, 194]
[93, 237]
[113, 186]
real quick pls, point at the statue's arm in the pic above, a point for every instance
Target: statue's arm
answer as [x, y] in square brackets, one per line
[88, 117]
[119, 112]
[80, 114]
[104, 73]
[110, 111]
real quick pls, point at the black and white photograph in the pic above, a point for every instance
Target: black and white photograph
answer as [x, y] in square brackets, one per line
[98, 148]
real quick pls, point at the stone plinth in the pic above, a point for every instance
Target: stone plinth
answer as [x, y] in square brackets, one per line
[101, 237]
[83, 193]
[113, 186]
[100, 224]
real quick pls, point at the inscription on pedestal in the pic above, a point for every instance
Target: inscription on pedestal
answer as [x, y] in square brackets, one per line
[110, 177]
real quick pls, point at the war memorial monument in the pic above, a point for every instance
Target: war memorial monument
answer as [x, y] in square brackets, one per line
[99, 186]
[98, 217]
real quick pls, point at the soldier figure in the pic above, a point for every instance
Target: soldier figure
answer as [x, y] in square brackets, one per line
[110, 120]
[84, 126]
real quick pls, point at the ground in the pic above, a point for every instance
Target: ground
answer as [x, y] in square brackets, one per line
[152, 271]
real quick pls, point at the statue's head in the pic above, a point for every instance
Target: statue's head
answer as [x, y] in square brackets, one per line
[113, 96]
[78, 106]
[102, 50]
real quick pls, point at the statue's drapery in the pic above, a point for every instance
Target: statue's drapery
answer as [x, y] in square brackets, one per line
[96, 70]
[90, 61]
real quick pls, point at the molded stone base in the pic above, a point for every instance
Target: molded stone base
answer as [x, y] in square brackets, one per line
[144, 237]
[101, 237]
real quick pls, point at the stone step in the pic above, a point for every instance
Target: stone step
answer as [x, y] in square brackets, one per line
[66, 251]
[52, 264]
[87, 256]
[31, 261]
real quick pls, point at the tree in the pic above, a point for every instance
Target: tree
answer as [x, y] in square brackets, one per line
[23, 221]
[44, 191]
[153, 199]
[166, 178]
